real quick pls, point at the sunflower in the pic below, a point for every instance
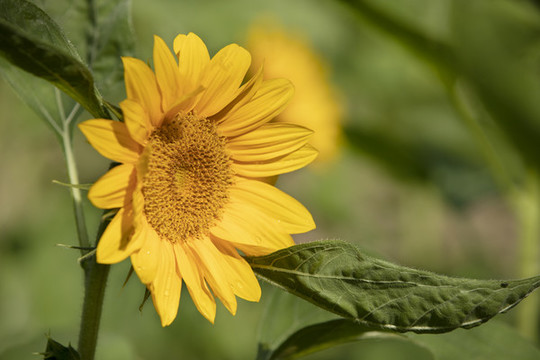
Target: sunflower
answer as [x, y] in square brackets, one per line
[194, 150]
[316, 103]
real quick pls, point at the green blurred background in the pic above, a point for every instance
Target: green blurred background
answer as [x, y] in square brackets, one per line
[415, 182]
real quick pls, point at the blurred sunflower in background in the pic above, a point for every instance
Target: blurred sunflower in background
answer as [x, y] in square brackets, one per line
[316, 104]
[192, 148]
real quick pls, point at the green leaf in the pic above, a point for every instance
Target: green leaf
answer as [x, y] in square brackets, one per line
[321, 336]
[291, 327]
[32, 41]
[294, 314]
[73, 186]
[494, 341]
[57, 351]
[336, 276]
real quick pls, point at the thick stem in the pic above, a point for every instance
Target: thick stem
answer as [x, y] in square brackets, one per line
[95, 281]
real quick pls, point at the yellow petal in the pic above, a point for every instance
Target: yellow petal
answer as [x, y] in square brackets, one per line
[239, 274]
[138, 238]
[141, 86]
[111, 139]
[268, 102]
[109, 192]
[167, 75]
[244, 224]
[286, 211]
[188, 266]
[222, 79]
[294, 161]
[184, 104]
[145, 261]
[193, 58]
[250, 250]
[212, 262]
[136, 120]
[166, 286]
[245, 94]
[115, 244]
[137, 203]
[268, 141]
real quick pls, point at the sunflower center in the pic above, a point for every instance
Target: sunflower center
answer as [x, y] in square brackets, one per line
[187, 177]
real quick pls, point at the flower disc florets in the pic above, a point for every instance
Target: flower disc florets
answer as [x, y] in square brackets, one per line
[187, 177]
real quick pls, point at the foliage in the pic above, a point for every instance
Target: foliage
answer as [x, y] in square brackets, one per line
[57, 351]
[337, 277]
[32, 41]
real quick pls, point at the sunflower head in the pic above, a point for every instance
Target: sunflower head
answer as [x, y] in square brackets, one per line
[193, 147]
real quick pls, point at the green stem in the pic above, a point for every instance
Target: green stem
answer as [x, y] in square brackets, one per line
[95, 274]
[73, 176]
[527, 209]
[95, 281]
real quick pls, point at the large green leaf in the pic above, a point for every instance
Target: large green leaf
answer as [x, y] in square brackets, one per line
[321, 336]
[336, 276]
[294, 314]
[32, 41]
[495, 341]
[302, 328]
